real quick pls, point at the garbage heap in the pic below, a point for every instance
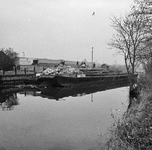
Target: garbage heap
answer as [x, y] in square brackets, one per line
[63, 70]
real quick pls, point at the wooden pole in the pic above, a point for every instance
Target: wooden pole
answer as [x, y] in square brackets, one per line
[34, 70]
[25, 70]
[92, 57]
[15, 70]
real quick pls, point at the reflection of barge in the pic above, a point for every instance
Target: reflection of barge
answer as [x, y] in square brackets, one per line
[61, 81]
[61, 92]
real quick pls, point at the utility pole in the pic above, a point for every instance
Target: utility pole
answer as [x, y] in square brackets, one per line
[92, 56]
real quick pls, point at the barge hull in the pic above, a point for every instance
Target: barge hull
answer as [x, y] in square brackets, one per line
[65, 81]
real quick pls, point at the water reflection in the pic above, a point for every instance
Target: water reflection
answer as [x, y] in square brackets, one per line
[61, 92]
[8, 101]
[30, 92]
[75, 123]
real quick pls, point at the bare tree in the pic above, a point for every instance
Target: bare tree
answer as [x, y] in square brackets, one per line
[144, 8]
[131, 40]
[12, 55]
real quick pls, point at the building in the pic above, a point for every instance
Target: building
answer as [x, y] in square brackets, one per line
[5, 62]
[25, 61]
[105, 67]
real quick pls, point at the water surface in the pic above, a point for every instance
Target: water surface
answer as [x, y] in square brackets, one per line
[59, 119]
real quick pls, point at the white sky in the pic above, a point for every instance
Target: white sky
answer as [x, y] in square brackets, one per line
[61, 29]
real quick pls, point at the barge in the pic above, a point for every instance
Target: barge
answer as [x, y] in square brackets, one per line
[73, 80]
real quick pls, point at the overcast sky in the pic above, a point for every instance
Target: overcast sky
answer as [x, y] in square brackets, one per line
[60, 29]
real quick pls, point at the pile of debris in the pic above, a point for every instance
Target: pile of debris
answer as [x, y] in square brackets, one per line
[62, 70]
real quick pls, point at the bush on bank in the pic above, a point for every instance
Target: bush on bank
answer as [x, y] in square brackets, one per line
[134, 130]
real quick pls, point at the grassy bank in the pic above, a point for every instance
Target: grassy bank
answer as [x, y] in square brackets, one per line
[134, 130]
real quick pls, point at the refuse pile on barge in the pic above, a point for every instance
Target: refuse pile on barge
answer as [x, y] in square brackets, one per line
[68, 76]
[62, 71]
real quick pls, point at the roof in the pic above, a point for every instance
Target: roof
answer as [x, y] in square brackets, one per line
[104, 65]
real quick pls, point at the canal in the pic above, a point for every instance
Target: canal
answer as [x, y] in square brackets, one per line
[59, 118]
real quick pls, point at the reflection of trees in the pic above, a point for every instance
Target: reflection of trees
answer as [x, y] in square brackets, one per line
[8, 101]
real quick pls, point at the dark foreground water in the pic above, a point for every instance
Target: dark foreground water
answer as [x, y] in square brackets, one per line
[59, 119]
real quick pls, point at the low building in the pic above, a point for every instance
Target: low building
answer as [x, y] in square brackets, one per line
[105, 67]
[25, 61]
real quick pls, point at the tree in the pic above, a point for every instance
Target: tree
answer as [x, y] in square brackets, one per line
[12, 55]
[131, 39]
[144, 8]
[9, 59]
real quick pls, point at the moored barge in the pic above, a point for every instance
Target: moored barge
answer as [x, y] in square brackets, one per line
[72, 80]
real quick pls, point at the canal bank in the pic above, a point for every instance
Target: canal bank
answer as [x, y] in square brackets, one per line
[16, 78]
[7, 81]
[134, 130]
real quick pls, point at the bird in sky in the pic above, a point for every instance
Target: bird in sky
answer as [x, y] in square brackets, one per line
[93, 13]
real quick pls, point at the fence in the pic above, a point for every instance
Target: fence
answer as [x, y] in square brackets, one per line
[28, 69]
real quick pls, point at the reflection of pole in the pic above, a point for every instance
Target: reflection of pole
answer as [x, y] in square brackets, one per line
[92, 97]
[92, 56]
[25, 93]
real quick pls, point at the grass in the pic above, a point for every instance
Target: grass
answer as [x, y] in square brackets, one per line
[134, 130]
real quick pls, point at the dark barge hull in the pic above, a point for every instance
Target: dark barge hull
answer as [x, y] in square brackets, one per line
[63, 81]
